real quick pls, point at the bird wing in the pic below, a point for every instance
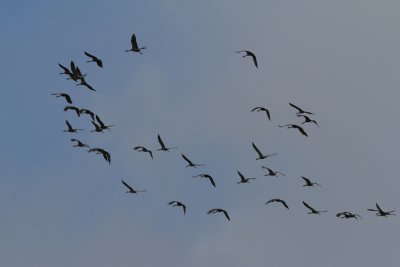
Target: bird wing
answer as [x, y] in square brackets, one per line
[296, 107]
[211, 180]
[241, 176]
[128, 186]
[257, 150]
[268, 114]
[67, 97]
[379, 208]
[226, 214]
[284, 203]
[64, 68]
[185, 158]
[91, 56]
[102, 125]
[254, 58]
[171, 203]
[211, 211]
[254, 109]
[161, 142]
[184, 208]
[306, 179]
[133, 42]
[68, 125]
[309, 207]
[301, 130]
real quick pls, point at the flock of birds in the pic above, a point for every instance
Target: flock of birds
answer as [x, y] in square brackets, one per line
[75, 74]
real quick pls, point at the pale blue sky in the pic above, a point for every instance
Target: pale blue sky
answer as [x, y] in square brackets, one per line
[61, 206]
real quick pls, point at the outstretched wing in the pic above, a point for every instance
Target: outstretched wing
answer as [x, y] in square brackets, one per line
[161, 142]
[296, 107]
[254, 58]
[128, 186]
[91, 56]
[301, 130]
[257, 150]
[226, 214]
[309, 207]
[306, 179]
[134, 43]
[185, 158]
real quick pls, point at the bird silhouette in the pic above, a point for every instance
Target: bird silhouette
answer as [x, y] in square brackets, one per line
[135, 47]
[178, 204]
[143, 149]
[307, 119]
[77, 110]
[277, 200]
[348, 215]
[94, 59]
[79, 143]
[299, 110]
[84, 83]
[313, 211]
[97, 127]
[380, 212]
[190, 163]
[251, 54]
[76, 73]
[88, 112]
[261, 155]
[244, 180]
[209, 177]
[258, 109]
[70, 128]
[301, 130]
[66, 96]
[66, 71]
[102, 125]
[130, 189]
[163, 147]
[308, 182]
[105, 154]
[212, 211]
[271, 172]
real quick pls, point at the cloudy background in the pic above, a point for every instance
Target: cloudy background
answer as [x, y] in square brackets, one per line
[61, 206]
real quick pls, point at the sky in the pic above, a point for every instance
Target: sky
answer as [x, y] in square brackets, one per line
[61, 206]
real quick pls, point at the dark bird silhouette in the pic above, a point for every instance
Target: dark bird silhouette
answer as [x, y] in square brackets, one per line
[299, 110]
[76, 73]
[66, 96]
[190, 163]
[380, 212]
[79, 143]
[301, 130]
[135, 47]
[348, 215]
[251, 54]
[84, 83]
[261, 155]
[88, 112]
[94, 59]
[77, 110]
[307, 119]
[163, 147]
[178, 204]
[130, 189]
[258, 109]
[209, 177]
[244, 180]
[143, 149]
[271, 172]
[313, 211]
[277, 200]
[66, 71]
[308, 182]
[97, 127]
[102, 125]
[70, 128]
[105, 154]
[212, 211]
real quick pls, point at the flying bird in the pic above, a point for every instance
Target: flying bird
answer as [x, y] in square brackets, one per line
[271, 172]
[299, 110]
[79, 143]
[76, 73]
[380, 212]
[258, 109]
[348, 215]
[212, 211]
[307, 119]
[143, 149]
[301, 130]
[66, 71]
[251, 54]
[88, 112]
[190, 163]
[97, 127]
[313, 211]
[163, 147]
[70, 128]
[84, 83]
[308, 182]
[135, 47]
[244, 180]
[77, 110]
[277, 200]
[94, 59]
[105, 154]
[261, 155]
[102, 125]
[209, 177]
[178, 204]
[66, 96]
[130, 189]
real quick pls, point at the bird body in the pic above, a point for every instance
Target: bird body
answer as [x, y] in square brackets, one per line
[348, 215]
[212, 211]
[271, 172]
[250, 54]
[178, 204]
[79, 143]
[70, 128]
[299, 110]
[244, 180]
[260, 154]
[307, 119]
[294, 126]
[380, 212]
[94, 59]
[143, 149]
[277, 200]
[209, 177]
[190, 163]
[258, 109]
[308, 182]
[313, 211]
[77, 110]
[135, 47]
[105, 154]
[163, 147]
[130, 189]
[66, 96]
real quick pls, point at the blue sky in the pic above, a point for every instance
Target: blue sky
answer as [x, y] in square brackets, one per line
[61, 206]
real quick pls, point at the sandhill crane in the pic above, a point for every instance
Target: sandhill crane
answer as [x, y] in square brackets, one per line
[105, 154]
[135, 47]
[271, 172]
[299, 110]
[209, 177]
[131, 190]
[76, 73]
[261, 155]
[88, 112]
[212, 211]
[308, 182]
[163, 147]
[190, 163]
[380, 212]
[143, 149]
[258, 109]
[313, 211]
[79, 143]
[77, 110]
[244, 180]
[301, 130]
[348, 215]
[97, 128]
[249, 53]
[66, 96]
[66, 71]
[102, 125]
[277, 200]
[70, 128]
[178, 204]
[307, 119]
[94, 59]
